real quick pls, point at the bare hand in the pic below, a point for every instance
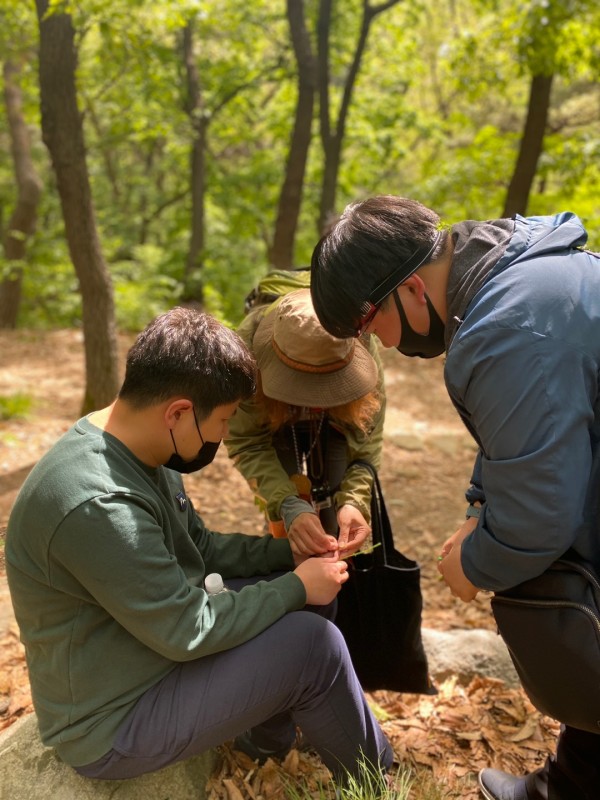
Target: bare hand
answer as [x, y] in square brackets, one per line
[450, 566]
[322, 579]
[353, 529]
[307, 537]
[458, 536]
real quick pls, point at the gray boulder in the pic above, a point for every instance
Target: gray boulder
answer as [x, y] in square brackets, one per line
[468, 653]
[30, 770]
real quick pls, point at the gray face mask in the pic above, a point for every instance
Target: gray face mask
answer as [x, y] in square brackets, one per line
[428, 345]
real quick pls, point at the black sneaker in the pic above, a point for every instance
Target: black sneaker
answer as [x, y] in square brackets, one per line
[244, 743]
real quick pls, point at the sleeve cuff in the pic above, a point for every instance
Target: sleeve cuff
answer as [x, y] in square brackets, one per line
[291, 507]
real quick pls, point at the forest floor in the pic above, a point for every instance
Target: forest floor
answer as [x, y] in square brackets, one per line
[426, 466]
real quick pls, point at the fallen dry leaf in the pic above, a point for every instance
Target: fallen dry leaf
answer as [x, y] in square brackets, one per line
[233, 793]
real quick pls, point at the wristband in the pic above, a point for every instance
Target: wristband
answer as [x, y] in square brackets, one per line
[473, 511]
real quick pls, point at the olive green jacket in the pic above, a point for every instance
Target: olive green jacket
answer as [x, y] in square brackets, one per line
[250, 445]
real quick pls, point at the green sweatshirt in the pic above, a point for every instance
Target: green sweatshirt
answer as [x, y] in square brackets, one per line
[106, 560]
[250, 445]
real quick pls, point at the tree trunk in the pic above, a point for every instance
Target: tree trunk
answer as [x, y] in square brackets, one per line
[281, 253]
[532, 143]
[332, 137]
[62, 131]
[193, 282]
[29, 187]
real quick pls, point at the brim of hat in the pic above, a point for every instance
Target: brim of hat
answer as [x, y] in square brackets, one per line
[308, 389]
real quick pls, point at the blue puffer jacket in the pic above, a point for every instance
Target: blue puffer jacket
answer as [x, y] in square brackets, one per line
[523, 371]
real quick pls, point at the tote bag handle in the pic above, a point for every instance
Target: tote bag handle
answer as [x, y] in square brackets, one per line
[380, 521]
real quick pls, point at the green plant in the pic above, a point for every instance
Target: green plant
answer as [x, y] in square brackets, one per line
[14, 406]
[369, 784]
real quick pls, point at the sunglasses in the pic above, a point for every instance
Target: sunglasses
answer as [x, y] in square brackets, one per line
[371, 307]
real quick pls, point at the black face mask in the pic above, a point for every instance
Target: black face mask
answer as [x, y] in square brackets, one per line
[428, 345]
[204, 457]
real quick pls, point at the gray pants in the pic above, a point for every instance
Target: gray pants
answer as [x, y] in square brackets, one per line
[297, 672]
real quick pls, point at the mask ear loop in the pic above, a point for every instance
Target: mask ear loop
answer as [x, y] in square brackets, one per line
[197, 426]
[404, 323]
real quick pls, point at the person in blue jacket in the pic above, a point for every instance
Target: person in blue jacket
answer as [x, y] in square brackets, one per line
[515, 305]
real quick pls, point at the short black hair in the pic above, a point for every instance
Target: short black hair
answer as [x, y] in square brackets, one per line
[370, 240]
[188, 353]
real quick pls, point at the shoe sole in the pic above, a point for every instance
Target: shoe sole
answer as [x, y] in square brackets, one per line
[482, 788]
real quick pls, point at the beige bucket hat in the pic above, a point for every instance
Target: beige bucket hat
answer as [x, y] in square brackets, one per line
[303, 365]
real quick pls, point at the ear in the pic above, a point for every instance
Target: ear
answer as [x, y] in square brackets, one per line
[416, 288]
[175, 409]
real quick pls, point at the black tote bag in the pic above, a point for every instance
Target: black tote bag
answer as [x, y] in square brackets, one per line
[379, 610]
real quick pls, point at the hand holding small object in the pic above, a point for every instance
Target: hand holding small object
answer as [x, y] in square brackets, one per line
[307, 537]
[353, 528]
[322, 579]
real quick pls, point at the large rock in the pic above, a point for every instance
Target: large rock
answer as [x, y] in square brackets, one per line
[30, 771]
[467, 653]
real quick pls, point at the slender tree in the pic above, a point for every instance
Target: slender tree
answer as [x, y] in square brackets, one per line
[281, 253]
[545, 48]
[333, 131]
[195, 108]
[29, 186]
[531, 146]
[63, 135]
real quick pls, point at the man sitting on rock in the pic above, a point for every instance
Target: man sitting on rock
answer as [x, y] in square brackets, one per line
[133, 665]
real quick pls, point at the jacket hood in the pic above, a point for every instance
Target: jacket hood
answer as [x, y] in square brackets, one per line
[536, 236]
[485, 249]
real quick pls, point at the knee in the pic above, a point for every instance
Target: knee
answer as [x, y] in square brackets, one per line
[321, 642]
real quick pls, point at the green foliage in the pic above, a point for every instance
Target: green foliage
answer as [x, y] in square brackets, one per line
[465, 187]
[50, 288]
[15, 406]
[545, 28]
[437, 114]
[142, 289]
[18, 33]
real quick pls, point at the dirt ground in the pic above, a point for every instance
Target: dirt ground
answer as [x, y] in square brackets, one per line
[426, 467]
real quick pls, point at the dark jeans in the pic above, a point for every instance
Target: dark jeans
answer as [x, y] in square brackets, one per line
[574, 773]
[297, 672]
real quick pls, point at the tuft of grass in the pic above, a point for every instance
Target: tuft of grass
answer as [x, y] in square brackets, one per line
[369, 784]
[15, 406]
